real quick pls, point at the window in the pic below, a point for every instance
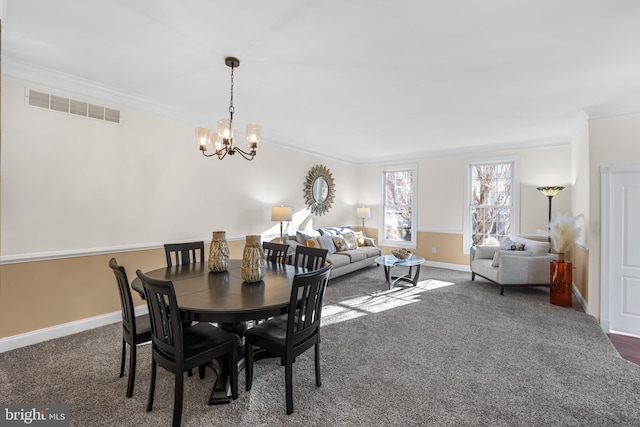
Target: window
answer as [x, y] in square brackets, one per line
[399, 204]
[491, 199]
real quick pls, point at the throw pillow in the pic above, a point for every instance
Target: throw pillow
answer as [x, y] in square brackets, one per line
[334, 231]
[499, 254]
[350, 238]
[485, 252]
[515, 247]
[312, 242]
[368, 241]
[326, 242]
[303, 236]
[340, 243]
[360, 238]
[507, 243]
[537, 247]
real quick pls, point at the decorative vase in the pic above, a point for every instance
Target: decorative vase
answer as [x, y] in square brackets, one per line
[219, 252]
[561, 283]
[252, 260]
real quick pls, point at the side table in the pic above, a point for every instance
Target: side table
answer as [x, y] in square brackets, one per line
[390, 261]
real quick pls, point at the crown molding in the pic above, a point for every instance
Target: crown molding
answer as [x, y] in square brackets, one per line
[582, 120]
[83, 88]
[597, 113]
[478, 149]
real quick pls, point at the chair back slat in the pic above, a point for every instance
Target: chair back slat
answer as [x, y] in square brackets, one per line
[126, 302]
[184, 253]
[275, 252]
[310, 258]
[305, 305]
[164, 316]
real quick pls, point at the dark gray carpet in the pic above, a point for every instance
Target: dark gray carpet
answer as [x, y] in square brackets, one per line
[455, 355]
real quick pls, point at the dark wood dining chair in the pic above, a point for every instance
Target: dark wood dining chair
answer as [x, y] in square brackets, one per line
[310, 258]
[275, 252]
[184, 253]
[135, 330]
[292, 334]
[179, 349]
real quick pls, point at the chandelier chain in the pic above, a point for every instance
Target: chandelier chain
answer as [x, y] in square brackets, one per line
[231, 108]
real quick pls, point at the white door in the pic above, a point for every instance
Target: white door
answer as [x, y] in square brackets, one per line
[623, 249]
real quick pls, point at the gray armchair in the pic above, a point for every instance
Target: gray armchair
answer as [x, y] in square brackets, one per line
[529, 266]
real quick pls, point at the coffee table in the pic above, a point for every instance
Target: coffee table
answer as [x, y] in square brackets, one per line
[390, 261]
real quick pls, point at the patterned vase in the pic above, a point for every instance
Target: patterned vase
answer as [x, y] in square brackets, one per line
[219, 252]
[252, 260]
[561, 283]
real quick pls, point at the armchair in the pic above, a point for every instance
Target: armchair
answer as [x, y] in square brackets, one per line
[527, 267]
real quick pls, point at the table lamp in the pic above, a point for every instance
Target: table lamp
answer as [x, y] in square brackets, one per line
[281, 213]
[363, 213]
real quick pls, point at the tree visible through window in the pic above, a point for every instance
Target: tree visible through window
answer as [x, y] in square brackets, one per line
[492, 202]
[399, 212]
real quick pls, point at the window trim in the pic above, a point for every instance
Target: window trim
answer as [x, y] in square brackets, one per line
[515, 196]
[412, 244]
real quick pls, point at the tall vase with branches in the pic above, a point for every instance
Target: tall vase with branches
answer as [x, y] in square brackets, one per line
[563, 235]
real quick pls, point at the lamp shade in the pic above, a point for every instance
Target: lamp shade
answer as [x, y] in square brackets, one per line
[363, 212]
[203, 137]
[281, 213]
[253, 135]
[550, 191]
[225, 130]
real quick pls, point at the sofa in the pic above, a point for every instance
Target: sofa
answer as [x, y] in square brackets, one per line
[517, 262]
[348, 250]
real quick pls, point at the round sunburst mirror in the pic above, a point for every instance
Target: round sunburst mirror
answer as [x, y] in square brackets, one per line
[319, 190]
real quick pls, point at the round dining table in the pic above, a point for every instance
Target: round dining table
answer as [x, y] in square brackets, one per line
[225, 298]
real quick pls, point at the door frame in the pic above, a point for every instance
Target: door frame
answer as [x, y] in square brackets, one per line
[606, 173]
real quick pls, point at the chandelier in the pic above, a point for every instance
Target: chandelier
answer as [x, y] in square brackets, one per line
[222, 140]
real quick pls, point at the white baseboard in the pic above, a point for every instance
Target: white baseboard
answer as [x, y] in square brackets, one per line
[46, 334]
[458, 267]
[626, 334]
[577, 297]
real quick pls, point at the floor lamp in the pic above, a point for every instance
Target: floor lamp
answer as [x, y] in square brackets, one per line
[549, 192]
[281, 213]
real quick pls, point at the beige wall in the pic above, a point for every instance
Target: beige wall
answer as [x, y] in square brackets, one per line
[73, 282]
[612, 141]
[579, 256]
[73, 184]
[47, 293]
[441, 195]
[76, 191]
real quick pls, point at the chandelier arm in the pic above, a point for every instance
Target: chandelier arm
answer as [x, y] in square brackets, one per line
[208, 155]
[223, 152]
[245, 155]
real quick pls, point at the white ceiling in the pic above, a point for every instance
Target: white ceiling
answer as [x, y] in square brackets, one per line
[362, 80]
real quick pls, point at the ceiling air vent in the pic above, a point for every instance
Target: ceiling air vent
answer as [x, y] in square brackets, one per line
[71, 106]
